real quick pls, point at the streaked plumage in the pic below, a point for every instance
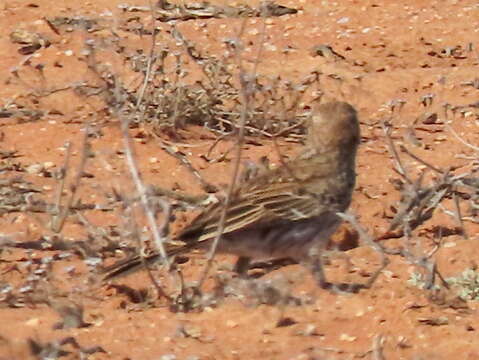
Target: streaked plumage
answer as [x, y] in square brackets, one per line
[286, 212]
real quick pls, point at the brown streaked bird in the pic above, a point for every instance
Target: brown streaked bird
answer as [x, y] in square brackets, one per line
[287, 212]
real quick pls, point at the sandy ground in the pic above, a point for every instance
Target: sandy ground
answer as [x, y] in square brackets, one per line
[405, 52]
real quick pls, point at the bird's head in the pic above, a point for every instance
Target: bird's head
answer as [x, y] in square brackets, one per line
[334, 126]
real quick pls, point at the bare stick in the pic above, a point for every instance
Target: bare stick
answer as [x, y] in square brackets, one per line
[137, 236]
[370, 242]
[392, 149]
[246, 92]
[377, 349]
[458, 214]
[59, 221]
[149, 64]
[140, 188]
[62, 177]
[418, 159]
[135, 173]
[461, 140]
[186, 163]
[194, 200]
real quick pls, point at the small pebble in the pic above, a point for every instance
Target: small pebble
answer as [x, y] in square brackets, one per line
[34, 168]
[168, 357]
[346, 337]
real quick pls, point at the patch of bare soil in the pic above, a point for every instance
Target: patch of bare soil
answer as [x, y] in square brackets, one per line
[181, 77]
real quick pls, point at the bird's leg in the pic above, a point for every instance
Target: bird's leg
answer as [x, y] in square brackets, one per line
[242, 266]
[316, 266]
[314, 263]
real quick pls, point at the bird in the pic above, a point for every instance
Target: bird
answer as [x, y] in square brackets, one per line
[286, 212]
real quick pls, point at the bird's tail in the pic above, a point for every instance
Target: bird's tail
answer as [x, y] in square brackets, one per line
[135, 263]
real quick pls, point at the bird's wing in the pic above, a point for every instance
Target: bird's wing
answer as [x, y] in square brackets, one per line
[257, 203]
[250, 207]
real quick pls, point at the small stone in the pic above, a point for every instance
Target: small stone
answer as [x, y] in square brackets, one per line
[346, 337]
[34, 169]
[231, 324]
[360, 313]
[32, 322]
[191, 331]
[449, 244]
[428, 118]
[168, 357]
[309, 330]
[48, 165]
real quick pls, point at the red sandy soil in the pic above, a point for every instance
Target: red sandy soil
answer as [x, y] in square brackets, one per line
[392, 50]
